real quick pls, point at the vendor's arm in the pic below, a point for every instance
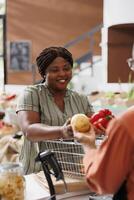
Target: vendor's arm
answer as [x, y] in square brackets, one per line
[29, 122]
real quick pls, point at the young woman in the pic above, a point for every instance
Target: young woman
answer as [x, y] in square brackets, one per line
[43, 109]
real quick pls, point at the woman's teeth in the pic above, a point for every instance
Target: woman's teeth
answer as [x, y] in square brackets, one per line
[62, 81]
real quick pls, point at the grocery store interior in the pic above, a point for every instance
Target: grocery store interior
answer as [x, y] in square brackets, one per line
[100, 36]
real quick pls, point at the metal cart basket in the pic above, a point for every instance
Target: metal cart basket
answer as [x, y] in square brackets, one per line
[69, 155]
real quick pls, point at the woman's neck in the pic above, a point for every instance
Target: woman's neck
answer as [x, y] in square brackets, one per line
[58, 97]
[56, 93]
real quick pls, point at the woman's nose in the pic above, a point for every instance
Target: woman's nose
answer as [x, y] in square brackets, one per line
[62, 72]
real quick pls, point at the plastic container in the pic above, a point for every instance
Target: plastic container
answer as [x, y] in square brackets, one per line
[12, 182]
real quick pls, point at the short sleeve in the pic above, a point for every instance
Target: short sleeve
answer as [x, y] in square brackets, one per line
[87, 105]
[29, 100]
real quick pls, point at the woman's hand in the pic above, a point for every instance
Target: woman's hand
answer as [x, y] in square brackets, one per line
[67, 131]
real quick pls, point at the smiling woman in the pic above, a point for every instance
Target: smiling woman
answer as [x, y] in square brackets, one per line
[44, 109]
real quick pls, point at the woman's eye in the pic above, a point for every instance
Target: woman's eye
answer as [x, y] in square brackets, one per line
[54, 70]
[67, 68]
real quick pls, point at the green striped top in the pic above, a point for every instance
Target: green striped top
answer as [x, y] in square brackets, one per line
[38, 98]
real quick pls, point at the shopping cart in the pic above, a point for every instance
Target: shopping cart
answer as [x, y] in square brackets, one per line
[69, 154]
[62, 158]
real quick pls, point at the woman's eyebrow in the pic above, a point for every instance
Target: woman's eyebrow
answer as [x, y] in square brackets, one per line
[56, 66]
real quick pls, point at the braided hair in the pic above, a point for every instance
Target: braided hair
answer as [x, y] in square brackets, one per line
[47, 56]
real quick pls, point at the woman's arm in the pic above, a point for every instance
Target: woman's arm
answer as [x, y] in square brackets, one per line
[34, 130]
[107, 166]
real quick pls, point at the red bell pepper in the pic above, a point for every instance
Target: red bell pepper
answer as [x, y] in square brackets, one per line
[107, 111]
[97, 116]
[101, 118]
[103, 122]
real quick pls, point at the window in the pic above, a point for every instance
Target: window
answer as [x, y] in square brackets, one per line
[19, 55]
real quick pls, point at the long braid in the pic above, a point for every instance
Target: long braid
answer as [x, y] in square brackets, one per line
[47, 56]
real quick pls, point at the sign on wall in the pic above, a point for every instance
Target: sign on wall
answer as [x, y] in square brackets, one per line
[19, 55]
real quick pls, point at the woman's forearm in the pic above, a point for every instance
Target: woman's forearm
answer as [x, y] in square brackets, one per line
[40, 132]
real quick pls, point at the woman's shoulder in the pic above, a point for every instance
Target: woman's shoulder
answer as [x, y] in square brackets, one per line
[36, 87]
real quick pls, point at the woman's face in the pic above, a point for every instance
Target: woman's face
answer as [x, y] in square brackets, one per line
[58, 74]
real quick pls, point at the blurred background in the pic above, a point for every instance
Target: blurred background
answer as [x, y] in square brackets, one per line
[48, 23]
[99, 37]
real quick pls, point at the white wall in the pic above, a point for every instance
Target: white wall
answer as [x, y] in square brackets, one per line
[114, 12]
[118, 12]
[86, 82]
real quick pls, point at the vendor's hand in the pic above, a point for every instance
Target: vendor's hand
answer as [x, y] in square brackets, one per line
[67, 129]
[87, 138]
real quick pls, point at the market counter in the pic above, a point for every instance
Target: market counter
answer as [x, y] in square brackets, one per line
[34, 191]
